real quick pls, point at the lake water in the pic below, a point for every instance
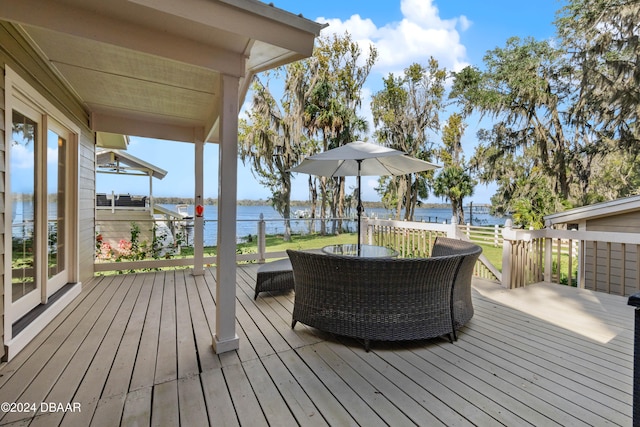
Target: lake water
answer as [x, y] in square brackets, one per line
[248, 217]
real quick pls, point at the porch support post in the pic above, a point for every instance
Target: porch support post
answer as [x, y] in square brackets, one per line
[225, 338]
[198, 221]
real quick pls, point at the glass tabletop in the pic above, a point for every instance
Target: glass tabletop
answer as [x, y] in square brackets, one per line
[366, 251]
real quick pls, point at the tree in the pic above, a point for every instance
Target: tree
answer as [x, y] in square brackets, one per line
[339, 73]
[523, 89]
[272, 138]
[404, 112]
[454, 182]
[524, 189]
[601, 39]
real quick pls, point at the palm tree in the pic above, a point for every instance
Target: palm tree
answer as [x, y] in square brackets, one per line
[455, 184]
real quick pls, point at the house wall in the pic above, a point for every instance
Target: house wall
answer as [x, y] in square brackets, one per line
[2, 200]
[116, 226]
[613, 269]
[628, 222]
[16, 53]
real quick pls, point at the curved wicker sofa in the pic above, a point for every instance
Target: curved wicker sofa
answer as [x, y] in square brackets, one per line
[385, 299]
[462, 303]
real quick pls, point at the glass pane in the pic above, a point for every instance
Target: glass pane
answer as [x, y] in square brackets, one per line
[56, 149]
[23, 230]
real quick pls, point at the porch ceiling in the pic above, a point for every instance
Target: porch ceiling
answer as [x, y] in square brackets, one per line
[152, 68]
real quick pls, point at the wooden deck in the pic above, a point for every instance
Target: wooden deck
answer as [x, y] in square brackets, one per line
[136, 350]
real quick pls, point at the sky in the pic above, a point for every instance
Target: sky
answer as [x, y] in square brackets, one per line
[455, 32]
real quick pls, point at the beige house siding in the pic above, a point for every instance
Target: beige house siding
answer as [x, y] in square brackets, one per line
[628, 222]
[86, 207]
[607, 271]
[16, 53]
[2, 201]
[116, 226]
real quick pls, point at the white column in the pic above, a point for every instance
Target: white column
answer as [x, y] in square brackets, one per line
[198, 222]
[225, 338]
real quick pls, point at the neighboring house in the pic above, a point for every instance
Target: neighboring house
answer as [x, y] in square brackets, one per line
[614, 265]
[80, 74]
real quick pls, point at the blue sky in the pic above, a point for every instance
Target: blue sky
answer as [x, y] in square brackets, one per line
[455, 32]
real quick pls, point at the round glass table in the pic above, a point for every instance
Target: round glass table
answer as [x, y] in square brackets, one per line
[366, 251]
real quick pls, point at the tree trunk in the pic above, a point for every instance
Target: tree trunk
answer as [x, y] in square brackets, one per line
[313, 193]
[323, 205]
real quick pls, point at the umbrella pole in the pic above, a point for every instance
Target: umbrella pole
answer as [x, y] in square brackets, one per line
[360, 208]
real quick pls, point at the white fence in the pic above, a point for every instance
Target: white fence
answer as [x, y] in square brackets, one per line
[415, 239]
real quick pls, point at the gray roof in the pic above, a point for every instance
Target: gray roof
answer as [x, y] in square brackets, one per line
[118, 161]
[597, 210]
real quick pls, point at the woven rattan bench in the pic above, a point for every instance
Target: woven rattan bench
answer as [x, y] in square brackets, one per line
[374, 298]
[274, 276]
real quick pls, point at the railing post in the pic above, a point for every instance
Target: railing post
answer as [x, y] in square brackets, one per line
[506, 256]
[548, 257]
[262, 239]
[366, 231]
[634, 300]
[453, 231]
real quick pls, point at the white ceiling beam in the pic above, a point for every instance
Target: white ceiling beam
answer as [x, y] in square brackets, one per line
[148, 129]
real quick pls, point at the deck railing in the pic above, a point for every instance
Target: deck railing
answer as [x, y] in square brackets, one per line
[601, 261]
[408, 238]
[415, 239]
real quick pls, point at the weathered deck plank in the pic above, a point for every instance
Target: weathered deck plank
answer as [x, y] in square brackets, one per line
[144, 370]
[167, 359]
[136, 350]
[165, 410]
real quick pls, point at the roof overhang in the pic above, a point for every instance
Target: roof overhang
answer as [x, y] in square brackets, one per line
[597, 210]
[153, 68]
[120, 162]
[112, 140]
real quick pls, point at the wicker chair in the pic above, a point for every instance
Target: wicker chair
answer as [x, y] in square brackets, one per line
[274, 276]
[462, 302]
[373, 298]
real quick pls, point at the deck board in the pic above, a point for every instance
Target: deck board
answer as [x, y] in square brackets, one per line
[167, 359]
[136, 350]
[165, 410]
[144, 369]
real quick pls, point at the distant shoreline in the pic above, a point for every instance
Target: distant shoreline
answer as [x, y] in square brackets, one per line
[262, 202]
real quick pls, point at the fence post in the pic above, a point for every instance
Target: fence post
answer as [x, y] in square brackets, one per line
[262, 239]
[548, 257]
[496, 236]
[506, 255]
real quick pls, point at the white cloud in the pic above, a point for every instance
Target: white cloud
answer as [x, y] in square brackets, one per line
[21, 157]
[420, 34]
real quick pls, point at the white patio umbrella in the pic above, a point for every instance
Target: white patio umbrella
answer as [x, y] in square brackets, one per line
[362, 159]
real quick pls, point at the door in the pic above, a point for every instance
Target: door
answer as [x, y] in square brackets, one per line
[38, 199]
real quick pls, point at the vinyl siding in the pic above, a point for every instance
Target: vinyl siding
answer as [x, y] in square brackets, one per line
[614, 268]
[2, 201]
